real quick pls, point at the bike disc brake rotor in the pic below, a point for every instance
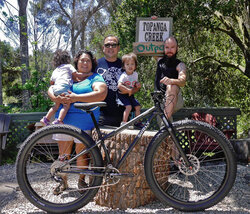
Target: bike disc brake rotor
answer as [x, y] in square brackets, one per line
[189, 170]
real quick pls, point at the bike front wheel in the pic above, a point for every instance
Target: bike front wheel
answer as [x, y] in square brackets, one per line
[56, 185]
[209, 178]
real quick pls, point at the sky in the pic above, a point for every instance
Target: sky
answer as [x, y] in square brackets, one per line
[10, 9]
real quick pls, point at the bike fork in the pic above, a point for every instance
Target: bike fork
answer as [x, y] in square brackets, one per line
[171, 131]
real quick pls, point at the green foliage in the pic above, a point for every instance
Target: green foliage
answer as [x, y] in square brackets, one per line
[38, 91]
[208, 52]
[146, 73]
[11, 74]
[212, 81]
[243, 125]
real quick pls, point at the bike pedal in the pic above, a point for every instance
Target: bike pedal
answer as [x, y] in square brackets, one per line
[58, 179]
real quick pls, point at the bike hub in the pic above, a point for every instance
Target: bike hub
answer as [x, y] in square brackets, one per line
[57, 167]
[189, 170]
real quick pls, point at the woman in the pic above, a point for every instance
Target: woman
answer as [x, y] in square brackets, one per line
[90, 88]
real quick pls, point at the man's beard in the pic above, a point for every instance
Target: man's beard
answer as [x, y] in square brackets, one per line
[170, 60]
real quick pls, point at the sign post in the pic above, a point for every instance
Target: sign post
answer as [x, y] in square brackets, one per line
[150, 34]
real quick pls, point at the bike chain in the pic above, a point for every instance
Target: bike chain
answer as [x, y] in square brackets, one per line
[108, 176]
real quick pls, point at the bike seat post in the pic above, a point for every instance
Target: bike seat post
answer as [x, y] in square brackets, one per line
[95, 124]
[100, 136]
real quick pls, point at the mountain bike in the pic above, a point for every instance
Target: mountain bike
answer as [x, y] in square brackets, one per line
[182, 170]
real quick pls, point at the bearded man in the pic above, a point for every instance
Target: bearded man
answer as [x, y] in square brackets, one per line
[170, 77]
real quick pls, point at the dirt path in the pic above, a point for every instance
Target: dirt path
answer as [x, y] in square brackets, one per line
[13, 201]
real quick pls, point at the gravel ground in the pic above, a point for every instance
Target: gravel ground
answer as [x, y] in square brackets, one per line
[13, 201]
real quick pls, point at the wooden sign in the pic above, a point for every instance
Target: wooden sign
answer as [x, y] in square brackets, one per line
[149, 48]
[150, 34]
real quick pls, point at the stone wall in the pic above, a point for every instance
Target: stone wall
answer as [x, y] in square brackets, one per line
[242, 148]
[130, 192]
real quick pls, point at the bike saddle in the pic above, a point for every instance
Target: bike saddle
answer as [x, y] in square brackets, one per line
[89, 106]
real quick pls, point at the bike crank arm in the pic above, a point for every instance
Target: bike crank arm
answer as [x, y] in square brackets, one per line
[120, 175]
[105, 185]
[93, 187]
[89, 173]
[113, 172]
[99, 174]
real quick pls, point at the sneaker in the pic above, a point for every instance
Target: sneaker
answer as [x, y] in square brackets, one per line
[57, 122]
[82, 184]
[60, 188]
[130, 127]
[123, 123]
[45, 121]
[139, 125]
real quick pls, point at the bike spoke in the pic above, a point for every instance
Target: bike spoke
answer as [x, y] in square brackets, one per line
[197, 183]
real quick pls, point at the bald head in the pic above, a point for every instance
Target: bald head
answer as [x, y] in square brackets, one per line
[170, 46]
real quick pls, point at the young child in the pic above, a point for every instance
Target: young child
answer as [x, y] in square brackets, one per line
[129, 80]
[61, 81]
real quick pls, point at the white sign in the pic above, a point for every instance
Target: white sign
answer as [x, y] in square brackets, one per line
[153, 30]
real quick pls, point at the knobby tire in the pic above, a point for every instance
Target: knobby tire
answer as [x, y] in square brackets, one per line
[197, 188]
[36, 159]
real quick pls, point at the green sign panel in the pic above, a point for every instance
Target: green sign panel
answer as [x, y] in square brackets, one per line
[150, 34]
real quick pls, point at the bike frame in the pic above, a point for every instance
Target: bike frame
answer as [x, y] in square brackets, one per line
[152, 113]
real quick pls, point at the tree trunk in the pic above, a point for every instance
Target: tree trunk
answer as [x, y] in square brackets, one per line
[36, 44]
[24, 50]
[83, 39]
[247, 71]
[1, 84]
[247, 60]
[73, 44]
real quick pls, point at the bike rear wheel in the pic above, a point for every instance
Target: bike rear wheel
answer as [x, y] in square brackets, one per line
[38, 176]
[195, 188]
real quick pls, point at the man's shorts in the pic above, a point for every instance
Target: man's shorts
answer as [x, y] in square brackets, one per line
[178, 106]
[180, 102]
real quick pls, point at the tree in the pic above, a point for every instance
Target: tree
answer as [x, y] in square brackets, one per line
[24, 49]
[73, 16]
[10, 74]
[42, 34]
[212, 43]
[1, 85]
[9, 22]
[231, 18]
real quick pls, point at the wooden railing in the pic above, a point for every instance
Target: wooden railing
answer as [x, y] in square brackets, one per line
[226, 119]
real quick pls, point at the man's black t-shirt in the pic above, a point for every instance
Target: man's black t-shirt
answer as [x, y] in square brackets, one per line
[111, 71]
[166, 67]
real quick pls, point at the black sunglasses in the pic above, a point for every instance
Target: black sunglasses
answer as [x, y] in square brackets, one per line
[108, 45]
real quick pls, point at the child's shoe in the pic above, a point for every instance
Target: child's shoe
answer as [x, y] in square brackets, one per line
[123, 123]
[130, 127]
[45, 121]
[57, 122]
